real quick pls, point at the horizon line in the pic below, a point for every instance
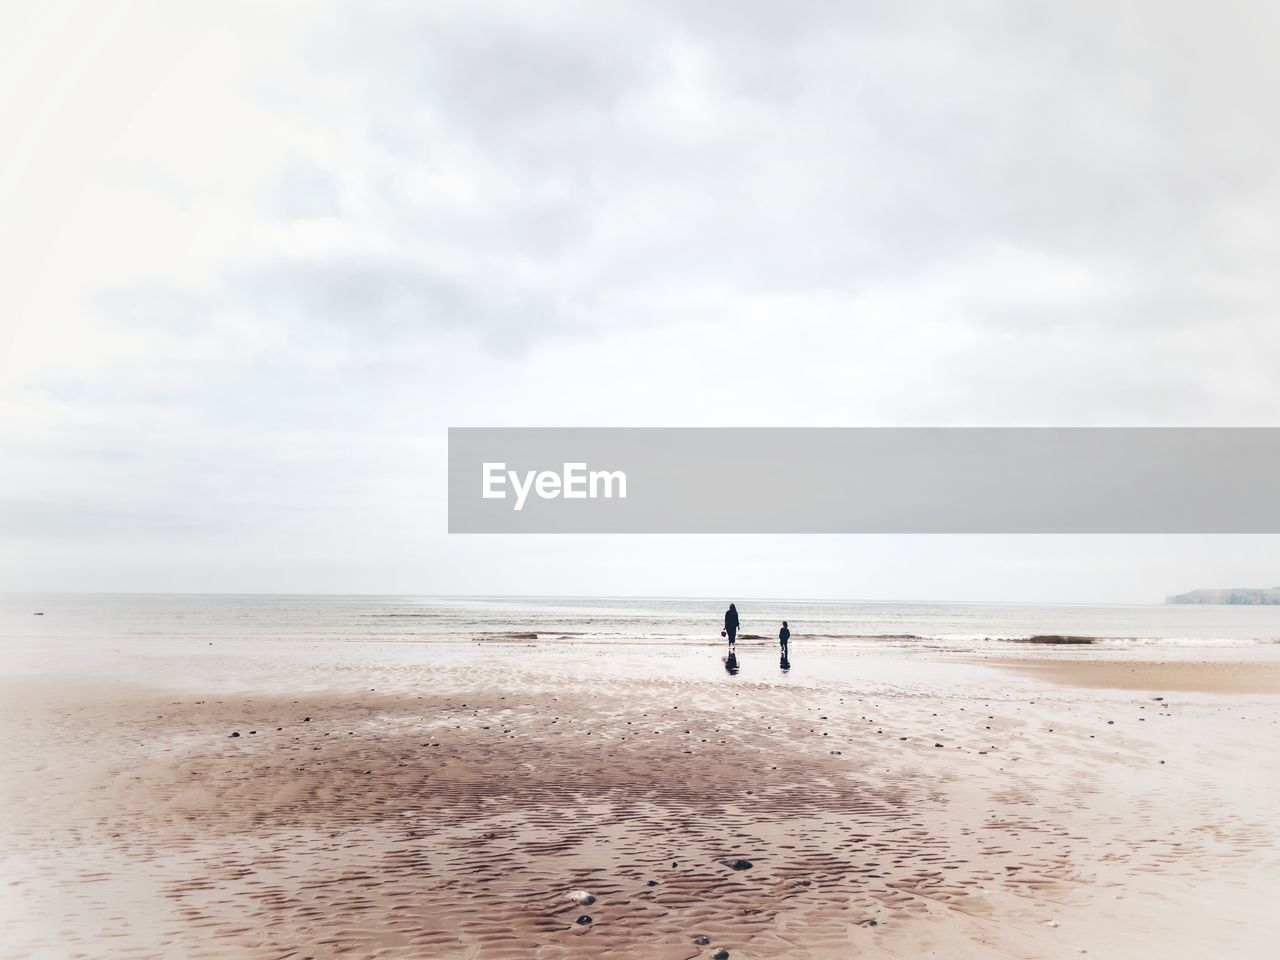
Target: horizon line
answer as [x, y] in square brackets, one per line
[578, 596]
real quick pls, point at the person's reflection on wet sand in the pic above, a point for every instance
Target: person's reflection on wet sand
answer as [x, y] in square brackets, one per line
[731, 663]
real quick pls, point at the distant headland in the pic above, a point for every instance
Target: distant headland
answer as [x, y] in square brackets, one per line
[1238, 595]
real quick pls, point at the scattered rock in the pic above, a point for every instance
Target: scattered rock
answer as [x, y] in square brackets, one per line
[871, 923]
[736, 864]
[583, 920]
[580, 896]
[702, 941]
[306, 719]
[720, 954]
[937, 744]
[235, 733]
[651, 883]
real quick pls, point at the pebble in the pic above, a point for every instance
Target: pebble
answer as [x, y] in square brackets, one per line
[584, 919]
[702, 941]
[733, 864]
[235, 733]
[720, 954]
[580, 896]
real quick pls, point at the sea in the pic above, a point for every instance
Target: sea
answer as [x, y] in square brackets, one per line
[175, 619]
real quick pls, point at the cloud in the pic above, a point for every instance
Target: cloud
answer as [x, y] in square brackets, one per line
[284, 248]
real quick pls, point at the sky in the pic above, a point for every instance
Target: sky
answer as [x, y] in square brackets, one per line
[258, 257]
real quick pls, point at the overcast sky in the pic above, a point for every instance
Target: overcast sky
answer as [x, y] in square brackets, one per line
[255, 258]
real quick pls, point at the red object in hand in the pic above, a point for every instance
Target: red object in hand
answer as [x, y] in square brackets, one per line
[724, 633]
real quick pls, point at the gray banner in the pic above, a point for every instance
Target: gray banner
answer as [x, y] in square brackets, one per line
[864, 480]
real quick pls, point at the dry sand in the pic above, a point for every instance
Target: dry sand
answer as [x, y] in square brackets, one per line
[893, 805]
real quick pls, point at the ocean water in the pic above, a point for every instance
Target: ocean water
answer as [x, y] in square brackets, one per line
[105, 619]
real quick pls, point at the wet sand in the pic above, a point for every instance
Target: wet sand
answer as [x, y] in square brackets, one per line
[1197, 676]
[894, 804]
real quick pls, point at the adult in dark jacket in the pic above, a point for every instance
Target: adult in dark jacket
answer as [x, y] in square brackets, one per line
[731, 625]
[784, 638]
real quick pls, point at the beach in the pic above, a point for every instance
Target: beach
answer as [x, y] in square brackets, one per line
[526, 796]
